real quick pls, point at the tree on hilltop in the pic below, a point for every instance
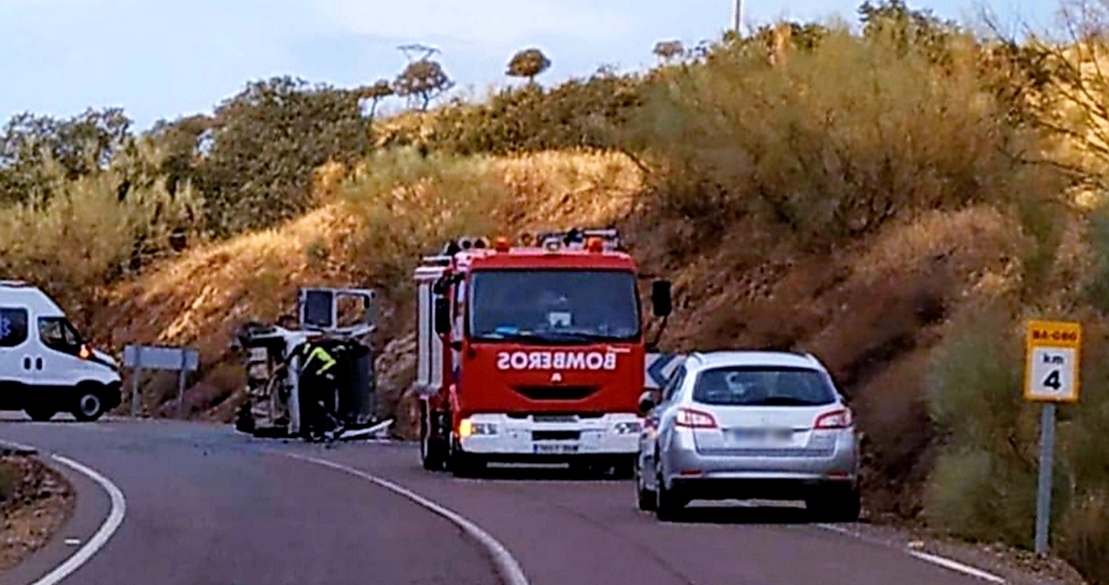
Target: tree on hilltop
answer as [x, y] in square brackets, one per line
[529, 63]
[380, 90]
[667, 51]
[423, 79]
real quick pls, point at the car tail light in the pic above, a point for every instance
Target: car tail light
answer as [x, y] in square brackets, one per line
[836, 419]
[694, 419]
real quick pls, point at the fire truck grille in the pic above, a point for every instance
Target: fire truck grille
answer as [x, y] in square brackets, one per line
[556, 392]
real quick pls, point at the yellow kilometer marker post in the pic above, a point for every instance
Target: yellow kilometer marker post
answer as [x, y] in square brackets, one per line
[1052, 375]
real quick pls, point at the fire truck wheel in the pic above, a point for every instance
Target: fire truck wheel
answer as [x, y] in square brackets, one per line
[465, 464]
[623, 468]
[432, 454]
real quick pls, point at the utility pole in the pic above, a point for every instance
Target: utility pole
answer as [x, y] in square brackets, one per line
[737, 15]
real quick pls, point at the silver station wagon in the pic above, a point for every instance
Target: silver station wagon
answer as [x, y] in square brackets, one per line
[749, 425]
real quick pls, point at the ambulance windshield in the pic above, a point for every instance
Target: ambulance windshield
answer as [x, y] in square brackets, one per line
[554, 306]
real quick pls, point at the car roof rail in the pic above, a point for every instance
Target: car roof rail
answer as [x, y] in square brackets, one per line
[14, 283]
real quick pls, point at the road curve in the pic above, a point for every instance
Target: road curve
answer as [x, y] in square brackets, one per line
[589, 532]
[206, 505]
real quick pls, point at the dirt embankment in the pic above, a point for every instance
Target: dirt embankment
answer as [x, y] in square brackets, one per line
[35, 502]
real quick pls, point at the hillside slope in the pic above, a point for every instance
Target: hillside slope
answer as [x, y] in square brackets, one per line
[358, 236]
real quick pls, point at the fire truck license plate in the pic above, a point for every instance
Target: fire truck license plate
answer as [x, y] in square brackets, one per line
[540, 448]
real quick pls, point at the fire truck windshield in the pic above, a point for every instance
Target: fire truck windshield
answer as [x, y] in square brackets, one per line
[553, 306]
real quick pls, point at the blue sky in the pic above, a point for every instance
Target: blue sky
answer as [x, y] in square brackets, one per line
[164, 58]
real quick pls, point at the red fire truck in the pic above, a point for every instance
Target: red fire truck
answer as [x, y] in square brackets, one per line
[532, 352]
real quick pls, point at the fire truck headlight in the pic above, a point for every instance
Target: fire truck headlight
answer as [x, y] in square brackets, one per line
[468, 428]
[628, 427]
[485, 429]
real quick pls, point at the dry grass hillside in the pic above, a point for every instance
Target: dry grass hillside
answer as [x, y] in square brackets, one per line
[366, 232]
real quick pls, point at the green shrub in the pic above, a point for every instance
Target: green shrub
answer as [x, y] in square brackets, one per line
[831, 142]
[412, 204]
[983, 486]
[83, 237]
[1085, 537]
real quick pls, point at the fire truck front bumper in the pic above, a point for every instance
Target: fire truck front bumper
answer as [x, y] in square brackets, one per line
[550, 437]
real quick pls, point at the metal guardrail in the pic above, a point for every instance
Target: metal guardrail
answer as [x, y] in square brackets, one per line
[149, 357]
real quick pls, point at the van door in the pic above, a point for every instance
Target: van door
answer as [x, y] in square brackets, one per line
[16, 361]
[60, 352]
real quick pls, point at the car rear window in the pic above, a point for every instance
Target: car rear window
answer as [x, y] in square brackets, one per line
[763, 386]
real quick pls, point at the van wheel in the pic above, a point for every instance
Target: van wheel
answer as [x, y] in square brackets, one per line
[89, 406]
[40, 413]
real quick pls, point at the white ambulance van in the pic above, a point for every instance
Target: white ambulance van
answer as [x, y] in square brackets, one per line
[46, 367]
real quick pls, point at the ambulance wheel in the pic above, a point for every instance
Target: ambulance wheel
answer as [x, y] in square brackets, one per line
[90, 406]
[40, 413]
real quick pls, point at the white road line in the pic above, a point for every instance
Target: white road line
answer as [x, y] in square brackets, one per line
[105, 532]
[926, 557]
[956, 566]
[17, 448]
[507, 565]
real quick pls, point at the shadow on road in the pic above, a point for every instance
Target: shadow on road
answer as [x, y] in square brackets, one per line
[743, 514]
[551, 473]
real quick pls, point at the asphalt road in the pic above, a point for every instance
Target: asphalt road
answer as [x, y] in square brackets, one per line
[206, 505]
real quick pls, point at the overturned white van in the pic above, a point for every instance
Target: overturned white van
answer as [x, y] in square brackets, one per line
[46, 367]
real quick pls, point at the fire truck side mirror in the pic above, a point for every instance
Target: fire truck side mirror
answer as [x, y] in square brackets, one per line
[660, 298]
[442, 316]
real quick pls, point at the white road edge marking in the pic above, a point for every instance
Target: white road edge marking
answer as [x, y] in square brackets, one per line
[105, 532]
[506, 564]
[926, 557]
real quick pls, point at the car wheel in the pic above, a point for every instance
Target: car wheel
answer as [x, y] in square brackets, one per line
[644, 498]
[89, 406]
[840, 505]
[40, 413]
[667, 503]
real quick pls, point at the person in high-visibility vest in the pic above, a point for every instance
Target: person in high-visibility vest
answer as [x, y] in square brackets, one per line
[318, 387]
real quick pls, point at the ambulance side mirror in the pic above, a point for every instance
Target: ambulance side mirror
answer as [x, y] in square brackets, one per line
[442, 316]
[660, 298]
[647, 402]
